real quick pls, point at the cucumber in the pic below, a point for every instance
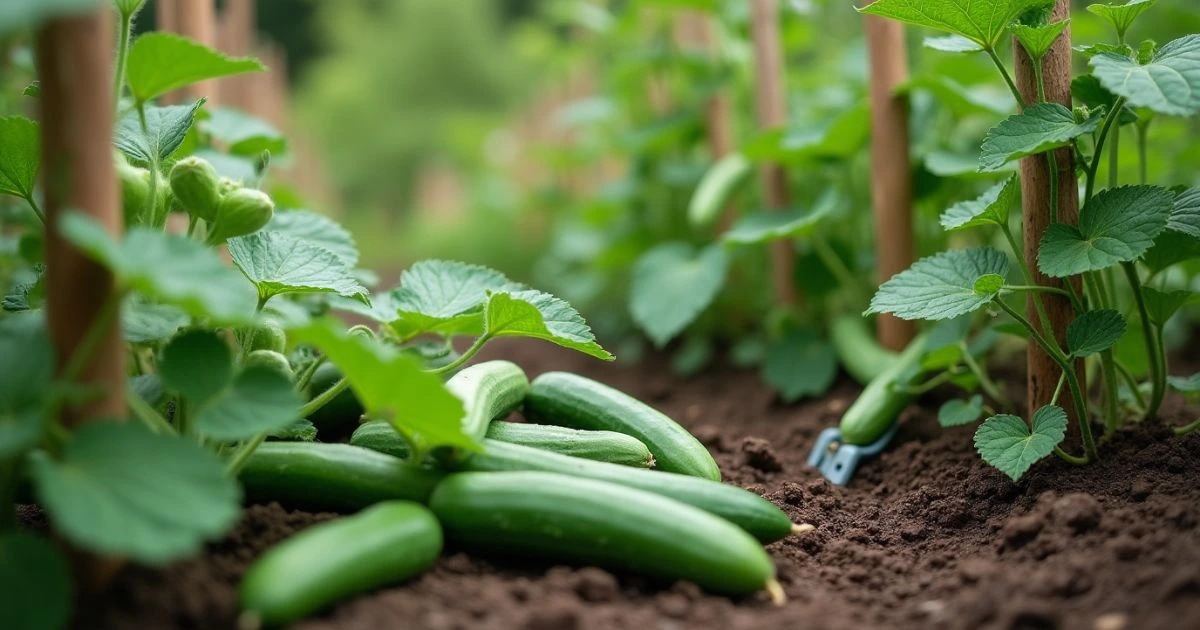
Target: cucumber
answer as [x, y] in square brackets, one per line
[878, 405]
[388, 543]
[716, 187]
[332, 477]
[857, 349]
[488, 391]
[754, 514]
[601, 446]
[573, 401]
[593, 522]
[604, 446]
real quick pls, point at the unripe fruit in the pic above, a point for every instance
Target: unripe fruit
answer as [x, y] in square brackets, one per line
[269, 359]
[241, 212]
[196, 186]
[267, 336]
[135, 193]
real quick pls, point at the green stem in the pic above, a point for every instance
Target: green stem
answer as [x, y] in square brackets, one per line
[985, 382]
[122, 54]
[1187, 428]
[464, 357]
[147, 414]
[95, 334]
[155, 220]
[1143, 131]
[1158, 377]
[323, 398]
[928, 385]
[305, 377]
[9, 478]
[1062, 378]
[183, 418]
[839, 269]
[1051, 158]
[1071, 459]
[1114, 157]
[1109, 371]
[1019, 253]
[1037, 288]
[1007, 78]
[37, 210]
[1132, 383]
[1112, 116]
[242, 455]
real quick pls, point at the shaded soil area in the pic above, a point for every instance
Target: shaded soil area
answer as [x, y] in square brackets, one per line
[926, 536]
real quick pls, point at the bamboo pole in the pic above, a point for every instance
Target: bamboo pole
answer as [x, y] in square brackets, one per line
[891, 171]
[772, 114]
[74, 59]
[1035, 201]
[197, 20]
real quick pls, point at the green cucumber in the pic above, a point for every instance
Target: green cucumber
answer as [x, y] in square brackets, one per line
[856, 348]
[488, 390]
[754, 514]
[391, 542]
[604, 446]
[573, 401]
[716, 187]
[881, 402]
[566, 518]
[334, 477]
[339, 416]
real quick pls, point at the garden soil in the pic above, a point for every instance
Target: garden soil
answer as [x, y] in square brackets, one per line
[926, 536]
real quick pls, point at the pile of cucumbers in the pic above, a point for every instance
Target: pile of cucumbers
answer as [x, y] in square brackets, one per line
[601, 479]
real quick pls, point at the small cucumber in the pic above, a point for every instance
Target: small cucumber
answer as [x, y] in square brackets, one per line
[573, 401]
[335, 477]
[570, 519]
[604, 446]
[388, 543]
[878, 405]
[857, 349]
[488, 390]
[756, 515]
[716, 187]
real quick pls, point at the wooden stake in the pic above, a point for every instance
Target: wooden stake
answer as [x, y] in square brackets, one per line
[197, 20]
[74, 59]
[236, 30]
[891, 172]
[1035, 192]
[166, 15]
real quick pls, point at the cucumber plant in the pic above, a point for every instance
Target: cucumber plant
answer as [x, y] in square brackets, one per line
[222, 350]
[1130, 231]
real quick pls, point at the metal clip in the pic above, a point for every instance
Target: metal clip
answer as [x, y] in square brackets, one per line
[837, 461]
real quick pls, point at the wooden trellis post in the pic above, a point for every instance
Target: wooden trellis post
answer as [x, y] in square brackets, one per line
[74, 60]
[891, 170]
[772, 114]
[197, 19]
[1035, 202]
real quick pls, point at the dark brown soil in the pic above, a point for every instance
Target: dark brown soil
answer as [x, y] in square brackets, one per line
[926, 536]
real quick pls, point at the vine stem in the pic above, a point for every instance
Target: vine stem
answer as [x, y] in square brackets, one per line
[1109, 118]
[470, 352]
[122, 54]
[1012, 86]
[37, 210]
[153, 193]
[1143, 130]
[1130, 381]
[989, 386]
[1158, 377]
[242, 455]
[1019, 253]
[147, 414]
[324, 397]
[1187, 428]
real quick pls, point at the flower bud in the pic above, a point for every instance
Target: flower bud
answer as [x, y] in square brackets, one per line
[270, 360]
[241, 212]
[135, 193]
[195, 185]
[266, 336]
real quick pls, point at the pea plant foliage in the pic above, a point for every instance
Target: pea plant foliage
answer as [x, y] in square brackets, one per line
[223, 348]
[1115, 260]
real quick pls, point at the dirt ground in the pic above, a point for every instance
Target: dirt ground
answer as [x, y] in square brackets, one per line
[925, 537]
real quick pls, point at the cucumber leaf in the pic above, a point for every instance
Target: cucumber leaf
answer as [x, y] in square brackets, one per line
[1037, 40]
[160, 62]
[1169, 84]
[143, 321]
[672, 284]
[981, 22]
[800, 364]
[198, 364]
[951, 44]
[27, 362]
[1185, 216]
[1095, 331]
[990, 208]
[318, 230]
[120, 490]
[1161, 305]
[956, 413]
[20, 156]
[1121, 16]
[542, 316]
[1036, 130]
[766, 226]
[243, 134]
[1006, 442]
[1118, 225]
[166, 128]
[445, 297]
[278, 263]
[35, 583]
[941, 286]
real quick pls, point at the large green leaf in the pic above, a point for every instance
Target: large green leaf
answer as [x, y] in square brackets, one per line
[317, 229]
[27, 362]
[1121, 16]
[1168, 84]
[278, 263]
[955, 413]
[160, 62]
[1161, 305]
[243, 134]
[197, 364]
[257, 400]
[143, 321]
[672, 284]
[35, 583]
[839, 137]
[990, 208]
[391, 385]
[20, 155]
[766, 226]
[168, 268]
[1118, 225]
[1185, 216]
[800, 364]
[1171, 248]
[981, 22]
[120, 490]
[445, 297]
[1095, 331]
[166, 127]
[1036, 130]
[1007, 443]
[941, 286]
[540, 315]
